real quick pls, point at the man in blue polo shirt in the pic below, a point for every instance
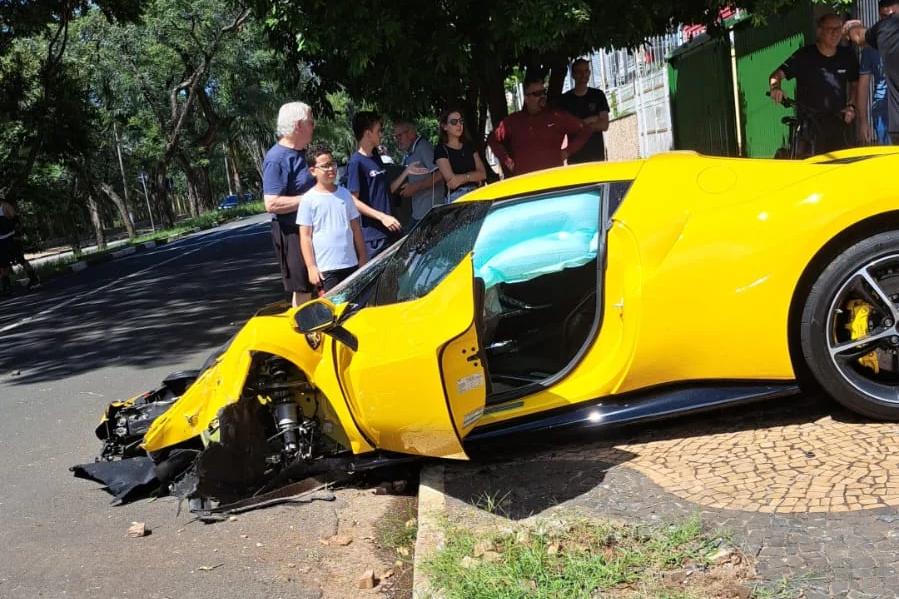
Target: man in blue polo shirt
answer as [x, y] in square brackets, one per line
[285, 178]
[368, 184]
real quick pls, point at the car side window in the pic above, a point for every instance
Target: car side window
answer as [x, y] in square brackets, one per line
[523, 240]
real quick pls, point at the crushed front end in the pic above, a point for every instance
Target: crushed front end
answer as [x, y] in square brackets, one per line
[250, 421]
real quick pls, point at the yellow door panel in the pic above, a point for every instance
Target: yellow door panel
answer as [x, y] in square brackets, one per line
[394, 382]
[464, 379]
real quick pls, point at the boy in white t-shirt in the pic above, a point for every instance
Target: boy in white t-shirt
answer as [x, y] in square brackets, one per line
[330, 232]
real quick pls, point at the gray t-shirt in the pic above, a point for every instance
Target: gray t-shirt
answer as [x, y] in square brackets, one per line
[329, 215]
[422, 152]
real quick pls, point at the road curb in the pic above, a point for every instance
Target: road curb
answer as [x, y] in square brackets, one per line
[432, 516]
[105, 257]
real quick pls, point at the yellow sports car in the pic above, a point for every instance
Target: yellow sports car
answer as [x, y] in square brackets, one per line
[587, 295]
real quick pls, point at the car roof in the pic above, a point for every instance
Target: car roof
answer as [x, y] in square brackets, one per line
[555, 178]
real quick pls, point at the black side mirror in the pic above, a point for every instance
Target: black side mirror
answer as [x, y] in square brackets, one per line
[316, 316]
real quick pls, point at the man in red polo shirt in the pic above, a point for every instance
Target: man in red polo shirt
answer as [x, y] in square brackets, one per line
[531, 139]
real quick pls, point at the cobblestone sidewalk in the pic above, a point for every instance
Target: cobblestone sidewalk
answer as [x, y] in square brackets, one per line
[808, 489]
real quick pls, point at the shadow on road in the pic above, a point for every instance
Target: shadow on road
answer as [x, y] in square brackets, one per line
[170, 313]
[523, 476]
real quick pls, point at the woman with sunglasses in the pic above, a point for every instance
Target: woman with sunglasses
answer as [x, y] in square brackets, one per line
[455, 156]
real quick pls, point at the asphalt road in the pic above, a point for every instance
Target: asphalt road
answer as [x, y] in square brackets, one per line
[109, 333]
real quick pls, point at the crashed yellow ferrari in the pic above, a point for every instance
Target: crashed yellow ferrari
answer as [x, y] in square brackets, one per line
[589, 296]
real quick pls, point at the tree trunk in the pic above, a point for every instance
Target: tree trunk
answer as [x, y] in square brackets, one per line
[235, 174]
[96, 220]
[160, 199]
[198, 193]
[558, 66]
[256, 151]
[193, 204]
[122, 207]
[200, 176]
[495, 95]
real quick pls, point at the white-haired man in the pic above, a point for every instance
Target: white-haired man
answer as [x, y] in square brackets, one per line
[285, 178]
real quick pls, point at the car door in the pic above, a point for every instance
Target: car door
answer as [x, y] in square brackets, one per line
[417, 382]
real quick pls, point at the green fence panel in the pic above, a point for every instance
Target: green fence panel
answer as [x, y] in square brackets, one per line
[759, 51]
[702, 98]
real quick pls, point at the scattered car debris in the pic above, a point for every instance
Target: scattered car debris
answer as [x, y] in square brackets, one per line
[138, 529]
[208, 568]
[368, 580]
[338, 540]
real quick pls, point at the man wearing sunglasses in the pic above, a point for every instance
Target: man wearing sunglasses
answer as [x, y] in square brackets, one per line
[531, 139]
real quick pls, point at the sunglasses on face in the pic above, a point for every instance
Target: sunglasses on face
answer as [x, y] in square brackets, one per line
[540, 93]
[454, 122]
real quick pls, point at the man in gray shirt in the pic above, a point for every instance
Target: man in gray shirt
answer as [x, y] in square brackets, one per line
[420, 180]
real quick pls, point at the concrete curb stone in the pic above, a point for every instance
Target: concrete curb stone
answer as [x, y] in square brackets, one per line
[94, 260]
[431, 517]
[109, 256]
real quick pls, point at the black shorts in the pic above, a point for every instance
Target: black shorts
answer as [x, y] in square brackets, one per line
[6, 252]
[17, 252]
[286, 240]
[331, 278]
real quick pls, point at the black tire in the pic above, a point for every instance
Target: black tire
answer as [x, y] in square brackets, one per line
[815, 332]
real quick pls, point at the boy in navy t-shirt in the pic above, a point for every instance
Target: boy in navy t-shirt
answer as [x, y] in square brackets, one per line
[368, 184]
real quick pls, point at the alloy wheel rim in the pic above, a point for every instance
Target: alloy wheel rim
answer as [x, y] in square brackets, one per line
[877, 285]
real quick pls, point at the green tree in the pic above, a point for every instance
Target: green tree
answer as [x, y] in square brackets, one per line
[41, 109]
[415, 57]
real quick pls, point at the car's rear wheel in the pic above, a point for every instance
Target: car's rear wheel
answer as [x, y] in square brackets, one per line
[850, 327]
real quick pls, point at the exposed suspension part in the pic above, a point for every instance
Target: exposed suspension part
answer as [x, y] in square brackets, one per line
[281, 383]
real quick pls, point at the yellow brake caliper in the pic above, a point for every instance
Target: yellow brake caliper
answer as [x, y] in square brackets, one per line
[858, 328]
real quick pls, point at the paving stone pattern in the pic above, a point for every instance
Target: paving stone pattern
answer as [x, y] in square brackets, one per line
[808, 489]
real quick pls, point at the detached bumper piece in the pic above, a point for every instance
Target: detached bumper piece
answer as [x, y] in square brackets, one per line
[137, 477]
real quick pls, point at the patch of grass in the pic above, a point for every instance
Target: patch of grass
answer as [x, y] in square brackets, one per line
[397, 531]
[162, 234]
[49, 269]
[580, 559]
[785, 588]
[492, 503]
[206, 220]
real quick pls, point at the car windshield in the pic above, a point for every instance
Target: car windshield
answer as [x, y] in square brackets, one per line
[416, 264]
[431, 251]
[349, 289]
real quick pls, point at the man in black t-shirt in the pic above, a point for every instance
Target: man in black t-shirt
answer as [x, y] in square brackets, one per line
[823, 72]
[884, 37]
[591, 106]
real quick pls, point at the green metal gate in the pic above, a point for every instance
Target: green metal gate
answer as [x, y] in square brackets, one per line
[702, 98]
[759, 51]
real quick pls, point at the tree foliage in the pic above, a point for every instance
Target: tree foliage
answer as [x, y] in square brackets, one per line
[179, 92]
[416, 57]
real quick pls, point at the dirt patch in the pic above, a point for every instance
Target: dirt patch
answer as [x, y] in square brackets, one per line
[338, 563]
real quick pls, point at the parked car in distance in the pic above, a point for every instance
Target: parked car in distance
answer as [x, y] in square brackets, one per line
[234, 200]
